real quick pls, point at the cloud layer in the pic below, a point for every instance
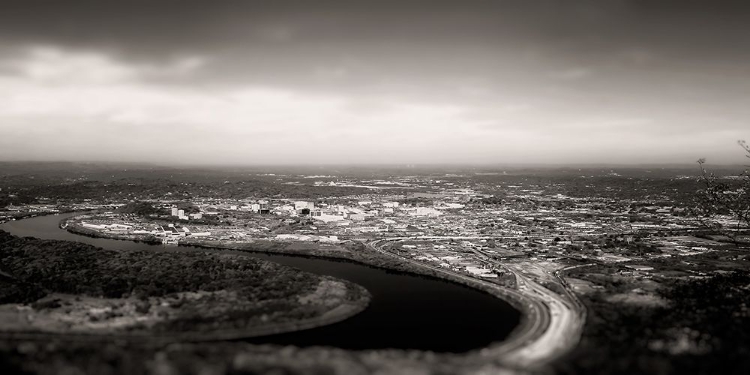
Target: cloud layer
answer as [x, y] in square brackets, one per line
[483, 82]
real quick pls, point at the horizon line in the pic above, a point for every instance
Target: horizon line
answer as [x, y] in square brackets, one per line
[375, 165]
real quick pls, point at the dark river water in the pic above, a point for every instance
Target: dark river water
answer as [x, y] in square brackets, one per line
[406, 311]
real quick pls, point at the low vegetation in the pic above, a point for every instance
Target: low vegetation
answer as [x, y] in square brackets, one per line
[690, 317]
[62, 286]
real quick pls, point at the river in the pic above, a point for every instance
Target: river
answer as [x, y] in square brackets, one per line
[406, 312]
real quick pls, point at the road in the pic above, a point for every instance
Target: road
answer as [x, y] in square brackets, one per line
[554, 322]
[563, 330]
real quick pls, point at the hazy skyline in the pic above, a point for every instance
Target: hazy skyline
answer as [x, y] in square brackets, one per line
[490, 82]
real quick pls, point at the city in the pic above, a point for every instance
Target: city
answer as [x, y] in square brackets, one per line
[520, 237]
[371, 187]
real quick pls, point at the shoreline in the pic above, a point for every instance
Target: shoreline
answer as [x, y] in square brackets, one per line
[354, 300]
[531, 311]
[335, 315]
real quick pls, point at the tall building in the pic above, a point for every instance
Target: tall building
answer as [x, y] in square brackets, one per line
[174, 211]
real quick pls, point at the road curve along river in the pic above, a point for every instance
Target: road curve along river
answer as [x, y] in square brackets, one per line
[406, 311]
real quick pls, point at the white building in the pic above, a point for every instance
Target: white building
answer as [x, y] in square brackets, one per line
[328, 217]
[301, 205]
[481, 272]
[356, 217]
[425, 211]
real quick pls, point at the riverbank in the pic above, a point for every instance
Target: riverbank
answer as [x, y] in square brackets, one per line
[83, 292]
[79, 230]
[533, 320]
[415, 323]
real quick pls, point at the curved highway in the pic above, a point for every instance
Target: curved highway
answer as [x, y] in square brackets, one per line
[553, 323]
[406, 311]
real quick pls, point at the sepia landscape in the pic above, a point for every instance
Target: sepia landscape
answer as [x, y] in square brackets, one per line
[361, 187]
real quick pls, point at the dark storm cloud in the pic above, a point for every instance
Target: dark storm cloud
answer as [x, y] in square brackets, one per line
[285, 35]
[365, 43]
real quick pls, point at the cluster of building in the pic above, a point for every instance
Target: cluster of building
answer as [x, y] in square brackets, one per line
[180, 214]
[129, 225]
[447, 222]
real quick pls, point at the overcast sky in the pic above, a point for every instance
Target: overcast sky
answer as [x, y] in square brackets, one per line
[499, 82]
